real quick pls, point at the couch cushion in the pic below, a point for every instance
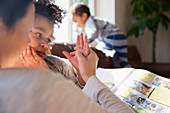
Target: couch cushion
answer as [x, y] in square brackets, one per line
[134, 58]
[104, 61]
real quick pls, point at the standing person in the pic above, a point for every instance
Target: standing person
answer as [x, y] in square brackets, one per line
[101, 34]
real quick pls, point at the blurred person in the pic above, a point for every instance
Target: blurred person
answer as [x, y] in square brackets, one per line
[101, 34]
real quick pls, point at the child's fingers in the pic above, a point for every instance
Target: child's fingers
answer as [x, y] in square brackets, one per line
[30, 54]
[86, 46]
[87, 50]
[67, 55]
[75, 48]
[35, 55]
[72, 53]
[78, 42]
[81, 41]
[25, 55]
[85, 41]
[22, 59]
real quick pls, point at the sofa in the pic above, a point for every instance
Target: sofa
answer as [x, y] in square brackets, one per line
[134, 59]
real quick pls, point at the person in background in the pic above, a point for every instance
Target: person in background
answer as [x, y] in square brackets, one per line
[34, 90]
[101, 34]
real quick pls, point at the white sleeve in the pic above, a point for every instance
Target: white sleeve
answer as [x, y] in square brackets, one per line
[104, 96]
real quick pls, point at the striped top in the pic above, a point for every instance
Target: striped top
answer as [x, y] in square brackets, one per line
[98, 29]
[106, 36]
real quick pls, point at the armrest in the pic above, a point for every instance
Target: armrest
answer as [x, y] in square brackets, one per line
[162, 69]
[58, 48]
[104, 61]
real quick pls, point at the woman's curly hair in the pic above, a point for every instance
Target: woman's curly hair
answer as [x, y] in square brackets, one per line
[48, 9]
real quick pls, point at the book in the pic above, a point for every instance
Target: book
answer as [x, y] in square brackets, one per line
[144, 91]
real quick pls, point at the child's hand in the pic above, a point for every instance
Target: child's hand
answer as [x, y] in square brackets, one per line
[31, 59]
[82, 46]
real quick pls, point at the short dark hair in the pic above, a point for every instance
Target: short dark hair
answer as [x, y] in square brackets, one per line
[13, 10]
[48, 9]
[79, 9]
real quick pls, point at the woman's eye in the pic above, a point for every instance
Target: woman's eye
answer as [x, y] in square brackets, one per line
[48, 40]
[38, 34]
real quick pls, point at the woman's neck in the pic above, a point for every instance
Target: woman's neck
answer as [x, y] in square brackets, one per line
[10, 64]
[3, 64]
[18, 64]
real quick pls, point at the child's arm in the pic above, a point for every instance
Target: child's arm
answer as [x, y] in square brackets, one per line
[83, 47]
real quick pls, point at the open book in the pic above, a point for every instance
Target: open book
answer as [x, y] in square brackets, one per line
[144, 91]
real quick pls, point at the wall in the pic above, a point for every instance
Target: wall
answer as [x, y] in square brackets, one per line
[143, 43]
[119, 12]
[105, 9]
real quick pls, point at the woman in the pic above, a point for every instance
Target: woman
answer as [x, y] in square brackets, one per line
[46, 15]
[32, 91]
[13, 18]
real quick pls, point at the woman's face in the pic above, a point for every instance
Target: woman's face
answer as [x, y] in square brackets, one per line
[15, 39]
[24, 27]
[41, 35]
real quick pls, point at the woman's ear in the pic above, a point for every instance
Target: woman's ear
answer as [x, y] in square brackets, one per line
[2, 25]
[3, 30]
[85, 17]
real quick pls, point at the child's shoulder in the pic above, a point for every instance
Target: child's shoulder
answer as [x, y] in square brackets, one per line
[54, 58]
[98, 19]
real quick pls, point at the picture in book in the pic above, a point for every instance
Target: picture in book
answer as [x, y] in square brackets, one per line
[144, 91]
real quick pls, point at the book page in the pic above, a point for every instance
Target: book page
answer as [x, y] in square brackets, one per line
[112, 77]
[160, 96]
[146, 92]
